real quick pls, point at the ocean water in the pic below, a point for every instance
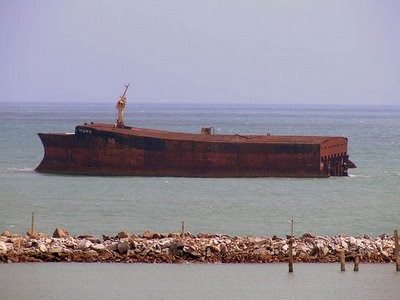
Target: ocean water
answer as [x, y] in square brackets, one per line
[367, 202]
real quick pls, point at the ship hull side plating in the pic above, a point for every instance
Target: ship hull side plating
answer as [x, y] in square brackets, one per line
[94, 151]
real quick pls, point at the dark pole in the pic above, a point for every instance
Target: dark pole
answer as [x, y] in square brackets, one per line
[291, 249]
[396, 250]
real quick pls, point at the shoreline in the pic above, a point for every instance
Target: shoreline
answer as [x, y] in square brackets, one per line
[153, 247]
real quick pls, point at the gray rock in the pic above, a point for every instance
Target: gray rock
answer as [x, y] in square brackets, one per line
[308, 235]
[177, 247]
[112, 247]
[42, 248]
[10, 246]
[147, 235]
[60, 233]
[191, 251]
[145, 252]
[106, 238]
[123, 234]
[314, 251]
[344, 245]
[6, 233]
[217, 248]
[224, 249]
[130, 252]
[123, 247]
[89, 237]
[324, 250]
[84, 244]
[383, 236]
[164, 243]
[157, 235]
[26, 244]
[133, 244]
[98, 247]
[56, 249]
[304, 248]
[3, 247]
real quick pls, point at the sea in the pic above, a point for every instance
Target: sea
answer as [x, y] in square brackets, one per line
[365, 203]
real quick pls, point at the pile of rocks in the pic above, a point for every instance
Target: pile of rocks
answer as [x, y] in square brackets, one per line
[203, 248]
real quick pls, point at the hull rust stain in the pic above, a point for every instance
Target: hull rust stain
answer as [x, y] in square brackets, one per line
[107, 149]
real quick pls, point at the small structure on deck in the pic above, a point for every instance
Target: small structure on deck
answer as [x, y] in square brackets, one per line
[120, 108]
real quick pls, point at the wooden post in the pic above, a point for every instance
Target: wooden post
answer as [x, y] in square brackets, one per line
[290, 255]
[33, 224]
[356, 263]
[183, 229]
[396, 250]
[291, 249]
[342, 261]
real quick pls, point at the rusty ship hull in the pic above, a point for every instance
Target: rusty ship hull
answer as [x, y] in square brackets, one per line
[105, 149]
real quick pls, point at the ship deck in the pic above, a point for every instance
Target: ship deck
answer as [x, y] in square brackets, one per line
[217, 138]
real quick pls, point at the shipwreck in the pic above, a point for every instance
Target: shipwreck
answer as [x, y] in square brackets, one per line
[116, 149]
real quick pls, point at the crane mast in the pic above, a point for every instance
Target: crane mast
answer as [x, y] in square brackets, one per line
[121, 102]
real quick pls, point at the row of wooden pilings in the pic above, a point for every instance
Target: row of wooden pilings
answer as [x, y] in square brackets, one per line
[342, 255]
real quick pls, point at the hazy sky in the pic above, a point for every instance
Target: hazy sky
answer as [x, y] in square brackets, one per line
[293, 51]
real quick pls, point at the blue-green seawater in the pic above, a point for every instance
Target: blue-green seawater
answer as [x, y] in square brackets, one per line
[366, 202]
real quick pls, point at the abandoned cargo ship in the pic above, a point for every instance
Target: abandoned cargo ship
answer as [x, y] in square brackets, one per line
[116, 149]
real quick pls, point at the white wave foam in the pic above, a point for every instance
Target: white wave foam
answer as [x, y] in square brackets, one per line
[20, 169]
[359, 176]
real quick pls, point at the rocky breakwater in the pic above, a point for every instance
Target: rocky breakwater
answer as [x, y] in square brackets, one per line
[152, 247]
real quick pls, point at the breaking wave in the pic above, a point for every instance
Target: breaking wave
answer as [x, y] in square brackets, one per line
[24, 170]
